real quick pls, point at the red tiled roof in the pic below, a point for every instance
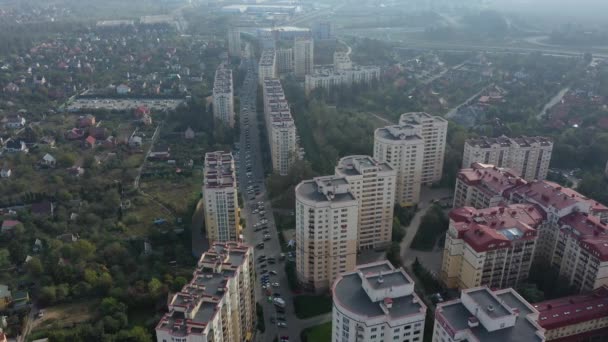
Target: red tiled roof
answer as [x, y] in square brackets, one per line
[497, 226]
[549, 194]
[90, 140]
[571, 310]
[590, 231]
[490, 178]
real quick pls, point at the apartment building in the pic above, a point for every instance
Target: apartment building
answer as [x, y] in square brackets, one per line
[493, 246]
[402, 147]
[329, 77]
[220, 197]
[373, 184]
[326, 231]
[528, 156]
[223, 96]
[280, 127]
[374, 303]
[234, 42]
[285, 60]
[483, 186]
[342, 61]
[267, 68]
[433, 130]
[303, 56]
[218, 304]
[483, 315]
[575, 318]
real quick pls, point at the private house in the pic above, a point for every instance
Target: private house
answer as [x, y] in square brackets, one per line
[39, 80]
[21, 300]
[9, 225]
[47, 140]
[11, 88]
[74, 134]
[189, 134]
[5, 297]
[5, 172]
[14, 122]
[123, 89]
[141, 111]
[15, 146]
[160, 152]
[135, 141]
[99, 133]
[48, 161]
[89, 142]
[43, 208]
[146, 120]
[86, 121]
[75, 171]
[67, 237]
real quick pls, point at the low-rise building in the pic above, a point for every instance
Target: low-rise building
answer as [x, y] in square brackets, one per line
[329, 78]
[483, 315]
[528, 156]
[326, 231]
[493, 246]
[218, 304]
[376, 302]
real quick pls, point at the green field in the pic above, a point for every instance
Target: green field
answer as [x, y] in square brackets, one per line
[319, 333]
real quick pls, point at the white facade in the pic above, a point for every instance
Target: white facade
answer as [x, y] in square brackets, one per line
[342, 61]
[402, 147]
[376, 303]
[529, 156]
[220, 198]
[433, 130]
[234, 42]
[326, 231]
[329, 78]
[267, 67]
[303, 56]
[223, 96]
[373, 183]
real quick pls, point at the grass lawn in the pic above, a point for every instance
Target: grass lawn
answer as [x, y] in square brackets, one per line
[318, 333]
[307, 306]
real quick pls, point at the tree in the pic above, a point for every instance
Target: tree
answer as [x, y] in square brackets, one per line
[83, 250]
[34, 266]
[136, 334]
[155, 287]
[47, 295]
[531, 293]
[394, 254]
[5, 258]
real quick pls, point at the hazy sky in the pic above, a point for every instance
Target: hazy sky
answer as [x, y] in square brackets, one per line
[586, 12]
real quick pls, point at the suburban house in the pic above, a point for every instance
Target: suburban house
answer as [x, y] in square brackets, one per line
[47, 140]
[5, 172]
[123, 89]
[142, 111]
[67, 237]
[5, 297]
[11, 88]
[43, 208]
[9, 225]
[14, 122]
[21, 300]
[74, 134]
[15, 146]
[160, 152]
[146, 120]
[89, 142]
[48, 161]
[135, 141]
[76, 171]
[85, 121]
[39, 80]
[189, 133]
[99, 133]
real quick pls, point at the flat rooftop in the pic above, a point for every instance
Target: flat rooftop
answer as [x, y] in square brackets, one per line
[309, 190]
[457, 316]
[399, 133]
[349, 165]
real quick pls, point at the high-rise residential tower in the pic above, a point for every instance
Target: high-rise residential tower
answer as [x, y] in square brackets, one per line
[223, 96]
[220, 197]
[303, 56]
[234, 42]
[373, 184]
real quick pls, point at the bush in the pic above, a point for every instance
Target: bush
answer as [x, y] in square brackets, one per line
[259, 311]
[429, 283]
[394, 254]
[292, 277]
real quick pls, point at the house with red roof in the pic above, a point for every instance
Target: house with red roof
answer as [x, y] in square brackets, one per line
[75, 134]
[89, 142]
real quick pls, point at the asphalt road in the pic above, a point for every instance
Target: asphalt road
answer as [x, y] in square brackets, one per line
[250, 145]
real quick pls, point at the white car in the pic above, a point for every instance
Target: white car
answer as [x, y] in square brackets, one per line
[276, 285]
[282, 325]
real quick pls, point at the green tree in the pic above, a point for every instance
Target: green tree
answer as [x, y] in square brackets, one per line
[5, 258]
[394, 254]
[34, 266]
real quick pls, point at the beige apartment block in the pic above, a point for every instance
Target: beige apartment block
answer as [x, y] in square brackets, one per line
[433, 130]
[280, 127]
[218, 304]
[303, 56]
[528, 156]
[326, 231]
[373, 184]
[484, 186]
[220, 197]
[493, 246]
[402, 147]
